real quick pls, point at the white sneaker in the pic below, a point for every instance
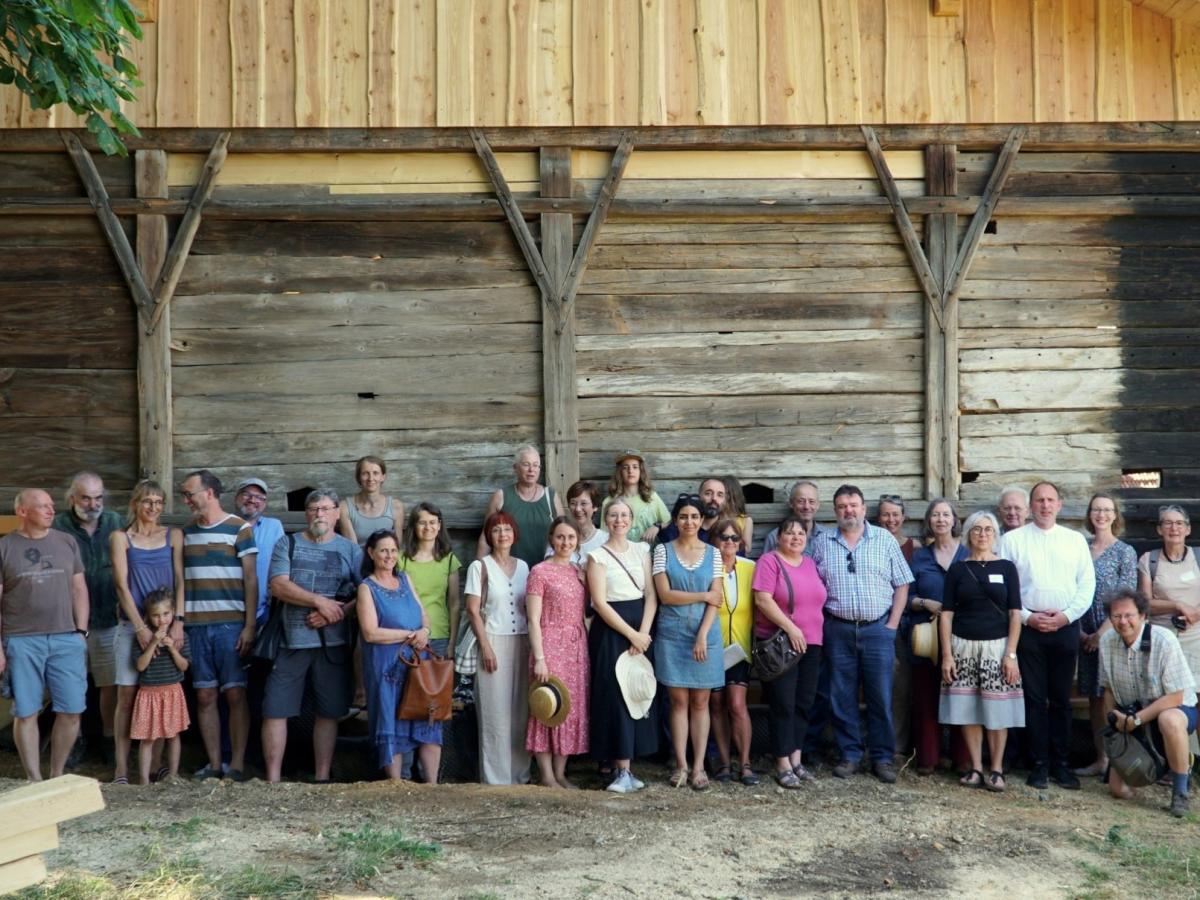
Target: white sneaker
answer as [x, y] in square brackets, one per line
[638, 784]
[622, 783]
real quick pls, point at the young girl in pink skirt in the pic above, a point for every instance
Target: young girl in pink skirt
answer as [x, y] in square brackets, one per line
[159, 710]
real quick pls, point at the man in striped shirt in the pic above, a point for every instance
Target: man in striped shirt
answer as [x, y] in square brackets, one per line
[220, 600]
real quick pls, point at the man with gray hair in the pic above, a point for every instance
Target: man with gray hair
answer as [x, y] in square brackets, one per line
[803, 501]
[532, 505]
[44, 622]
[1012, 508]
[90, 524]
[315, 574]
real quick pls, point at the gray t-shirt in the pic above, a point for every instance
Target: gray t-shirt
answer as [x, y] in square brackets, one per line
[37, 575]
[329, 569]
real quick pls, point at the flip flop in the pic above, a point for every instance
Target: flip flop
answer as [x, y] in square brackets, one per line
[120, 779]
[679, 777]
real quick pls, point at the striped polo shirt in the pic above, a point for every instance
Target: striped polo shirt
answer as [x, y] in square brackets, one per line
[214, 591]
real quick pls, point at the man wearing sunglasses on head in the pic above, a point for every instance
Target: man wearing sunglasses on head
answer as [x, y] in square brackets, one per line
[867, 581]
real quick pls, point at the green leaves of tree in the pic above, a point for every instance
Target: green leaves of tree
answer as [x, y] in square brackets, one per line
[70, 51]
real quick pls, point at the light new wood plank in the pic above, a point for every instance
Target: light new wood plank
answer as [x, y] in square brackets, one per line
[742, 49]
[44, 803]
[141, 112]
[1015, 62]
[908, 64]
[947, 70]
[29, 843]
[843, 86]
[21, 873]
[416, 65]
[793, 79]
[247, 52]
[979, 36]
[1186, 55]
[872, 55]
[349, 63]
[627, 49]
[712, 62]
[491, 43]
[593, 62]
[1080, 20]
[652, 59]
[522, 61]
[278, 85]
[1151, 62]
[179, 75]
[555, 47]
[679, 42]
[401, 169]
[384, 87]
[1050, 60]
[311, 23]
[1115, 63]
[455, 63]
[746, 164]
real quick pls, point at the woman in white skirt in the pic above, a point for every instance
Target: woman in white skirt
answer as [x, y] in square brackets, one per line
[978, 629]
[496, 610]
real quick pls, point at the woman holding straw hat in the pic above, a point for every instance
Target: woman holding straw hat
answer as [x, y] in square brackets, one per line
[978, 632]
[555, 601]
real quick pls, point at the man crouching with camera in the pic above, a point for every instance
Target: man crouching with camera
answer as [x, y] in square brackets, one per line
[1149, 694]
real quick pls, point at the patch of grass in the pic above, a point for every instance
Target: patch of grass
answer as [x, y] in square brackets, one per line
[370, 848]
[71, 887]
[1161, 869]
[250, 881]
[188, 830]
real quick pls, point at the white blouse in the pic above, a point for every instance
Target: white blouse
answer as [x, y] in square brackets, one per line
[619, 585]
[504, 612]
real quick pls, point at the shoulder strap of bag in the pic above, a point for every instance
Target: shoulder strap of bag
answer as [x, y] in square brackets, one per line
[1154, 554]
[623, 569]
[788, 581]
[483, 589]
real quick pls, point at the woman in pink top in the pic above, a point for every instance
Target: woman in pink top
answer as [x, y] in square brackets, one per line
[787, 580]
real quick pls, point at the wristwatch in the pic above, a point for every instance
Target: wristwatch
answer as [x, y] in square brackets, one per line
[1012, 656]
[82, 631]
[1137, 719]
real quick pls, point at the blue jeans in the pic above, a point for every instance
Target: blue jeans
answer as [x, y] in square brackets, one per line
[861, 655]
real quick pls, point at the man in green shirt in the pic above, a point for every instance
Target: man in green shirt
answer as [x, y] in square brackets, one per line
[86, 520]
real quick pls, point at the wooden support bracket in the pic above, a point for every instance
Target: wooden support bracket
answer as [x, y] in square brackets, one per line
[164, 289]
[912, 244]
[111, 226]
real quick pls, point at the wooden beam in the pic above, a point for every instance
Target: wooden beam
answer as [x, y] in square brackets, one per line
[98, 197]
[1040, 136]
[516, 220]
[42, 803]
[608, 192]
[560, 420]
[934, 362]
[947, 183]
[164, 288]
[21, 873]
[947, 7]
[991, 196]
[908, 234]
[155, 413]
[29, 843]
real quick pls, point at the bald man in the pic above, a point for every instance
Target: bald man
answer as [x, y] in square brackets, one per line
[44, 626]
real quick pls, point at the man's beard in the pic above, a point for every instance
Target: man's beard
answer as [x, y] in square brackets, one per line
[318, 529]
[711, 512]
[87, 515]
[246, 511]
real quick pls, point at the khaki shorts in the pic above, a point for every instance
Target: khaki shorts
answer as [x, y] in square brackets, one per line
[102, 655]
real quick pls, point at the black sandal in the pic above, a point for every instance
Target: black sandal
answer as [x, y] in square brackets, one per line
[995, 781]
[749, 779]
[723, 775]
[972, 779]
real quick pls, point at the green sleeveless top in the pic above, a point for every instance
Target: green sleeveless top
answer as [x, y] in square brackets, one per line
[533, 521]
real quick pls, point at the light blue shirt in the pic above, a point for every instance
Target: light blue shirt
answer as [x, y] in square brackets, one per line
[267, 532]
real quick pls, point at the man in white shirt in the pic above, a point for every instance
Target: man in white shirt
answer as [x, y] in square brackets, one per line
[1058, 582]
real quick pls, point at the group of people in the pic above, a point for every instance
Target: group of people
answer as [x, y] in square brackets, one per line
[604, 638]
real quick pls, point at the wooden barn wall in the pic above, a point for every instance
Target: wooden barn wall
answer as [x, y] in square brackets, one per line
[1078, 334]
[360, 63]
[68, 387]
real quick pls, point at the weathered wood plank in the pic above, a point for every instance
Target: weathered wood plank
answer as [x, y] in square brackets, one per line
[709, 233]
[1000, 360]
[447, 308]
[1097, 231]
[747, 256]
[736, 281]
[244, 274]
[675, 313]
[154, 347]
[53, 449]
[1081, 162]
[45, 393]
[833, 439]
[1035, 338]
[817, 412]
[816, 382]
[702, 463]
[733, 342]
[81, 264]
[407, 240]
[1085, 452]
[671, 363]
[430, 378]
[1179, 288]
[1080, 311]
[1060, 422]
[1084, 389]
[215, 346]
[52, 174]
[248, 412]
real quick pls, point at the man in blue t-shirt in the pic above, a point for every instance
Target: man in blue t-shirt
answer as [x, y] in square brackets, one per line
[315, 575]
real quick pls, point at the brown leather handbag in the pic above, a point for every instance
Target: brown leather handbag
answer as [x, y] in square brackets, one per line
[427, 689]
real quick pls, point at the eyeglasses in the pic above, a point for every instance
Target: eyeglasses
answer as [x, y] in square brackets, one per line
[729, 537]
[321, 510]
[891, 498]
[152, 501]
[982, 529]
[850, 567]
[188, 495]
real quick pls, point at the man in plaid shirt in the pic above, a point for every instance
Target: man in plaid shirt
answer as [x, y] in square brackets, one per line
[1157, 690]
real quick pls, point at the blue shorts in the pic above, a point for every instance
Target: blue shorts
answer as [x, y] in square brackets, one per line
[215, 660]
[37, 662]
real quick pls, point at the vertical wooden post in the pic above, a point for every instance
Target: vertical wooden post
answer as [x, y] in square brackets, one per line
[941, 343]
[155, 443]
[560, 417]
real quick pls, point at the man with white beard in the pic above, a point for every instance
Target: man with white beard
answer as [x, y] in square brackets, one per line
[315, 574]
[86, 520]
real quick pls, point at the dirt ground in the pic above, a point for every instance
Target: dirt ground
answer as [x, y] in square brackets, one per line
[923, 837]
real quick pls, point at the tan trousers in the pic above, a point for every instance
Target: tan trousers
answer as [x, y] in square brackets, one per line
[502, 704]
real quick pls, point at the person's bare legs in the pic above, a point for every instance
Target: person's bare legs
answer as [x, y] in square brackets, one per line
[545, 766]
[997, 740]
[108, 710]
[324, 741]
[698, 723]
[239, 728]
[719, 719]
[1098, 722]
[392, 769]
[209, 722]
[431, 761]
[29, 745]
[678, 719]
[145, 759]
[174, 748]
[62, 739]
[973, 738]
[274, 742]
[121, 717]
[739, 721]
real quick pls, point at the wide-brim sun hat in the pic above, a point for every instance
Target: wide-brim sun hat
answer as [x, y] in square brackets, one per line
[635, 675]
[550, 703]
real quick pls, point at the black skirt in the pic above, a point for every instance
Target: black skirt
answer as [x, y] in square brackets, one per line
[614, 734]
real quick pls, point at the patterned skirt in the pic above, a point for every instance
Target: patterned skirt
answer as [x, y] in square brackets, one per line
[159, 711]
[979, 694]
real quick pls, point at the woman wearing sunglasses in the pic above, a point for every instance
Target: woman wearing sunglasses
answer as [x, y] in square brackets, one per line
[727, 705]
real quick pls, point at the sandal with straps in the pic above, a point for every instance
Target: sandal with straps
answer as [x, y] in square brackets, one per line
[972, 779]
[748, 777]
[679, 777]
[786, 778]
[995, 781]
[723, 775]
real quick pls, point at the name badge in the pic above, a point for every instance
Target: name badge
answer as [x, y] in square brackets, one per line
[1188, 576]
[996, 578]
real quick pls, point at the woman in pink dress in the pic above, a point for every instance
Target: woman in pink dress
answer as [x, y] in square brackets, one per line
[555, 602]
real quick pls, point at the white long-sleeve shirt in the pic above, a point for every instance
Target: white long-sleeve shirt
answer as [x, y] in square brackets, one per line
[1055, 567]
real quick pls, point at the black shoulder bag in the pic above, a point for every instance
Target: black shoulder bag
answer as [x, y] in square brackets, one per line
[1133, 754]
[269, 639]
[774, 656]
